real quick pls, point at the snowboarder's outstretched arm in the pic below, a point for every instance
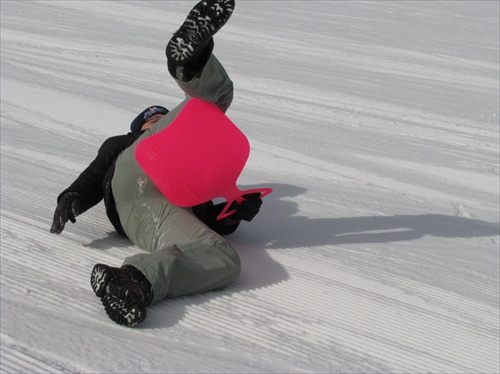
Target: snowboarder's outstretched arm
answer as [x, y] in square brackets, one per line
[87, 190]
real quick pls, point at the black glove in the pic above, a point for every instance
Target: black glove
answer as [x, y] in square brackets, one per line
[248, 208]
[68, 208]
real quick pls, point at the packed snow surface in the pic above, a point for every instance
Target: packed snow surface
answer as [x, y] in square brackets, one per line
[375, 122]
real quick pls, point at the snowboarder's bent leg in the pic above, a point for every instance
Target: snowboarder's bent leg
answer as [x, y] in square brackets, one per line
[188, 269]
[186, 256]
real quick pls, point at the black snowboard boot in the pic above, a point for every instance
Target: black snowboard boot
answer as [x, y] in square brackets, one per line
[125, 293]
[190, 41]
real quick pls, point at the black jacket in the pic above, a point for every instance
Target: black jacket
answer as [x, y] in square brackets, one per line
[94, 184]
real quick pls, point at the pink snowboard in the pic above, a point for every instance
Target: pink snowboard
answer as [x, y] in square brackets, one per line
[197, 158]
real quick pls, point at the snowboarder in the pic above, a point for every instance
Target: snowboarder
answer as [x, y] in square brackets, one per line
[184, 250]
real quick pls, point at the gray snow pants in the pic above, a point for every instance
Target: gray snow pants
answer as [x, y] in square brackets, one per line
[183, 255]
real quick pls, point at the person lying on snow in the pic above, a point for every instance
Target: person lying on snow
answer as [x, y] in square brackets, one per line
[184, 250]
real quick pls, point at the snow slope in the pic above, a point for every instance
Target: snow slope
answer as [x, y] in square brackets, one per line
[377, 125]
